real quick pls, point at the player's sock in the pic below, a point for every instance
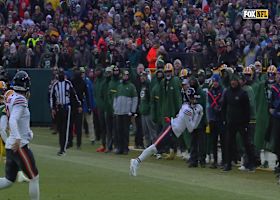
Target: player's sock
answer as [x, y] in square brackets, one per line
[34, 191]
[4, 183]
[147, 153]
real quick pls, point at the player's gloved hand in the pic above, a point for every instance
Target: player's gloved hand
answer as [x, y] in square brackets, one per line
[30, 135]
[167, 120]
[130, 114]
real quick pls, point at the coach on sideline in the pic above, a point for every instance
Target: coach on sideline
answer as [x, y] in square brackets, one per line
[62, 98]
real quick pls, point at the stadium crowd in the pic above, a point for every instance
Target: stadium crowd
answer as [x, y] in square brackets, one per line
[123, 49]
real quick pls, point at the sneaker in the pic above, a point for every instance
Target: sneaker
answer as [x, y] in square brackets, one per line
[100, 149]
[61, 153]
[207, 159]
[22, 178]
[133, 167]
[179, 153]
[242, 168]
[158, 156]
[185, 155]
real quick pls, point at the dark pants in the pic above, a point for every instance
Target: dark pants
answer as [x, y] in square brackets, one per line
[100, 126]
[63, 119]
[198, 152]
[96, 125]
[139, 131]
[217, 130]
[165, 138]
[23, 160]
[275, 129]
[123, 122]
[77, 122]
[231, 138]
[85, 125]
[109, 131]
[256, 158]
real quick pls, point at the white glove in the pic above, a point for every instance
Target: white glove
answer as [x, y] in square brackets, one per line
[30, 135]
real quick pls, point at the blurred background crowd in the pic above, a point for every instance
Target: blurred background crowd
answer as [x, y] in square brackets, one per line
[136, 57]
[53, 33]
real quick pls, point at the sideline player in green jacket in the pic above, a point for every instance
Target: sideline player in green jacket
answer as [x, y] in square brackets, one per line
[111, 92]
[170, 99]
[125, 105]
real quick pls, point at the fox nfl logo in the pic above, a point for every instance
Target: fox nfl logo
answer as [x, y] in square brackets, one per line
[255, 14]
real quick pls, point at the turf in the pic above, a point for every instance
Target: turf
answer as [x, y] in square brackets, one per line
[86, 175]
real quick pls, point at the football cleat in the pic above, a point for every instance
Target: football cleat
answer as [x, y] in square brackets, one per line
[21, 177]
[133, 167]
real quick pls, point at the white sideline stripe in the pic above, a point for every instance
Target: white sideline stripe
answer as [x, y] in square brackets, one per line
[67, 128]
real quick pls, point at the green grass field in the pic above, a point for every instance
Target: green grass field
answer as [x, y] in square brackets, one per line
[86, 175]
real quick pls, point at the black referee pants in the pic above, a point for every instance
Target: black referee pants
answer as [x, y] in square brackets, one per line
[62, 116]
[76, 125]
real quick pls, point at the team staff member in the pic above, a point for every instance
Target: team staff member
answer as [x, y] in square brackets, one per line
[82, 93]
[63, 98]
[170, 99]
[236, 101]
[274, 110]
[100, 113]
[19, 154]
[87, 108]
[111, 119]
[214, 108]
[125, 104]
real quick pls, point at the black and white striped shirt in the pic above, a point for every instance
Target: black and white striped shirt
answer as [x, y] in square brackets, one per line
[63, 93]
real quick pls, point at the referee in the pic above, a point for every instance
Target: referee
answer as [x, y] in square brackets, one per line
[62, 98]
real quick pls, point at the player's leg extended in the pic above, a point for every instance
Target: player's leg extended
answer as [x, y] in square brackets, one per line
[134, 163]
[28, 166]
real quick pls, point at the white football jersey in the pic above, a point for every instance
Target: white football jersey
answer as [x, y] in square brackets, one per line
[19, 120]
[189, 117]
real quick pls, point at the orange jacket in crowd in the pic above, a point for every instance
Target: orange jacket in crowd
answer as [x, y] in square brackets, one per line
[152, 57]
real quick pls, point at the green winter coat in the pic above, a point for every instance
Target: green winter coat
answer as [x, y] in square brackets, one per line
[145, 99]
[262, 116]
[155, 102]
[111, 92]
[104, 88]
[126, 99]
[252, 100]
[170, 98]
[98, 92]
